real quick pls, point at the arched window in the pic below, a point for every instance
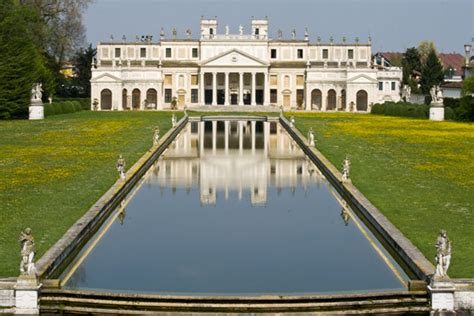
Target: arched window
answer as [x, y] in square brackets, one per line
[106, 99]
[124, 99]
[136, 97]
[151, 98]
[343, 99]
[362, 101]
[316, 99]
[331, 106]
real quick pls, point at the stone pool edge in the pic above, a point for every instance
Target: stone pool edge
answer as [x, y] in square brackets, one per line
[79, 232]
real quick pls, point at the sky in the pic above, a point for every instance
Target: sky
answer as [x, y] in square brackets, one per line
[394, 25]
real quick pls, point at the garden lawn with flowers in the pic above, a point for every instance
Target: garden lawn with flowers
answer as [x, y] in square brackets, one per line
[53, 171]
[419, 173]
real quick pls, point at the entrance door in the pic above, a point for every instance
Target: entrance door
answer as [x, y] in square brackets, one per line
[286, 101]
[208, 96]
[234, 99]
[259, 97]
[181, 100]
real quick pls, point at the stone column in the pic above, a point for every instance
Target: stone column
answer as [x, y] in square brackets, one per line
[324, 100]
[226, 136]
[241, 88]
[266, 86]
[202, 89]
[254, 87]
[214, 88]
[214, 136]
[226, 89]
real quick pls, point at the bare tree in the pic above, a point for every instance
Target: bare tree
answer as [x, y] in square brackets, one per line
[63, 31]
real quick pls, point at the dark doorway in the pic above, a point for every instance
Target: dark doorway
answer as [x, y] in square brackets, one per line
[259, 97]
[234, 99]
[247, 99]
[208, 97]
[220, 97]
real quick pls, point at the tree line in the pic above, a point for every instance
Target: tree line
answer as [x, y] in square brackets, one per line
[36, 38]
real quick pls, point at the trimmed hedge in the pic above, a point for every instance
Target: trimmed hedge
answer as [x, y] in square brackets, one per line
[85, 102]
[62, 108]
[403, 109]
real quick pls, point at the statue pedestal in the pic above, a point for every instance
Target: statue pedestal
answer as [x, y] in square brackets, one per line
[36, 111]
[26, 295]
[442, 294]
[437, 112]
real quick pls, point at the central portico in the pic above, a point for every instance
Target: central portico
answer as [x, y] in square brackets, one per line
[234, 78]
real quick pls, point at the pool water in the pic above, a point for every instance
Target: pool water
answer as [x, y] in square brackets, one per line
[234, 208]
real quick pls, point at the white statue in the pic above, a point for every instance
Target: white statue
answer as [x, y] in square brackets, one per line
[293, 34]
[241, 30]
[292, 121]
[311, 137]
[436, 95]
[28, 251]
[346, 165]
[121, 167]
[280, 34]
[173, 120]
[156, 136]
[227, 30]
[443, 255]
[37, 92]
[439, 95]
[188, 33]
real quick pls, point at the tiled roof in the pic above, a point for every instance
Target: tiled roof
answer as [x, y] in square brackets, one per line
[454, 60]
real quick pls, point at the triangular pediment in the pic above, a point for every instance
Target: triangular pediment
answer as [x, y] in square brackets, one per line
[105, 78]
[234, 58]
[362, 78]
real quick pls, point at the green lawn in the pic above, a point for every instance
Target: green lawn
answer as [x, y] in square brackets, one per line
[52, 171]
[419, 173]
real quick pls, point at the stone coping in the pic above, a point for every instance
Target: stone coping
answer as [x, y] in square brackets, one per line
[81, 231]
[407, 252]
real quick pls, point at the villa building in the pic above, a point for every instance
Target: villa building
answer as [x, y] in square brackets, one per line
[241, 70]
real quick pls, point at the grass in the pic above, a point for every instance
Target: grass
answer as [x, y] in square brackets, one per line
[52, 171]
[419, 173]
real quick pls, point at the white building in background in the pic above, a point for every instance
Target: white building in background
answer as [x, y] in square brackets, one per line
[242, 69]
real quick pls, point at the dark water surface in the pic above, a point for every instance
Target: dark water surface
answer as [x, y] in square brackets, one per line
[253, 219]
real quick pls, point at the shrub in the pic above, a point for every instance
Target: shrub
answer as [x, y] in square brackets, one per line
[465, 111]
[62, 108]
[403, 109]
[451, 102]
[449, 114]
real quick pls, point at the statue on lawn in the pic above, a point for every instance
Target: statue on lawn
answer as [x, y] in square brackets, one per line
[292, 121]
[121, 167]
[37, 92]
[443, 255]
[156, 136]
[311, 137]
[173, 120]
[28, 251]
[346, 165]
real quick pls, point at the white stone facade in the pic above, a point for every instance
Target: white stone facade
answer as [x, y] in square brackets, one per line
[241, 70]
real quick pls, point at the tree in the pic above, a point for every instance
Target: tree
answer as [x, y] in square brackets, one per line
[424, 49]
[411, 62]
[432, 73]
[468, 86]
[83, 65]
[21, 63]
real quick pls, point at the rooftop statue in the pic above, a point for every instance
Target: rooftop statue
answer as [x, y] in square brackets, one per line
[188, 33]
[241, 30]
[293, 34]
[175, 33]
[227, 30]
[280, 34]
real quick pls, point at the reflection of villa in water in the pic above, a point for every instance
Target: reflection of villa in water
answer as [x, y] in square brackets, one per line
[238, 156]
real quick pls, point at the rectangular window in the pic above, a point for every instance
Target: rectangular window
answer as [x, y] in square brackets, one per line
[195, 53]
[273, 53]
[300, 53]
[194, 95]
[325, 54]
[168, 80]
[168, 93]
[273, 80]
[168, 52]
[118, 52]
[143, 52]
[273, 96]
[380, 86]
[194, 80]
[300, 80]
[350, 54]
[394, 84]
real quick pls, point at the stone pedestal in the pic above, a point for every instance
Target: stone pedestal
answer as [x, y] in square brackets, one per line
[26, 295]
[442, 295]
[36, 111]
[437, 112]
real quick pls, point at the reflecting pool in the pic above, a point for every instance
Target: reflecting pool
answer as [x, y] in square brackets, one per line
[234, 208]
